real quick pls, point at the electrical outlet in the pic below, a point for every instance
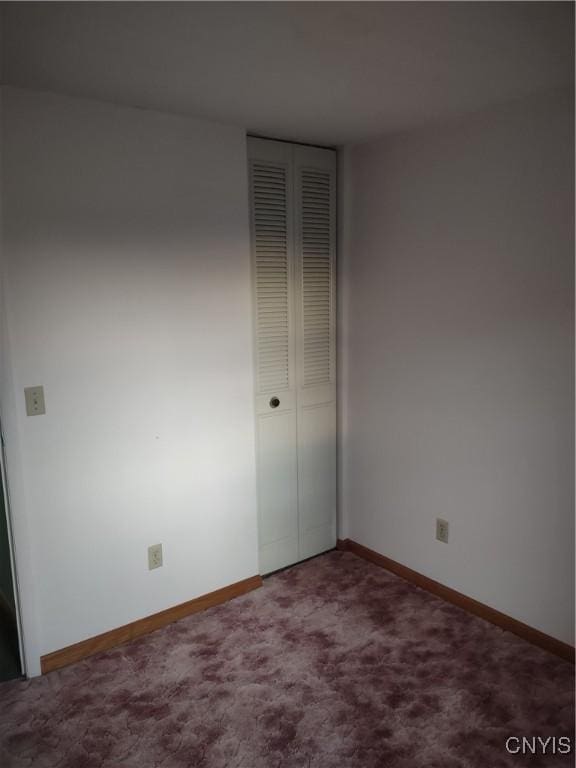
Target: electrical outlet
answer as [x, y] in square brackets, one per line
[154, 556]
[442, 530]
[34, 397]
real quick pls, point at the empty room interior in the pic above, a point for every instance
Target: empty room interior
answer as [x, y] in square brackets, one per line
[287, 384]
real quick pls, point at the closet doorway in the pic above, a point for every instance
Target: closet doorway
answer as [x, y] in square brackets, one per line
[293, 235]
[10, 658]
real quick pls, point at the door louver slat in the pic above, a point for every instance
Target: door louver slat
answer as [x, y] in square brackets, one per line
[270, 227]
[316, 276]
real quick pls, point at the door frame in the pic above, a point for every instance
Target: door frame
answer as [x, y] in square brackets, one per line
[11, 549]
[294, 270]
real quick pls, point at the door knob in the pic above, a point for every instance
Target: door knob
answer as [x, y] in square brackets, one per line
[274, 402]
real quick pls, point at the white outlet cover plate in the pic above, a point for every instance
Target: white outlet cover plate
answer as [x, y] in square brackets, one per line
[154, 556]
[442, 530]
[34, 397]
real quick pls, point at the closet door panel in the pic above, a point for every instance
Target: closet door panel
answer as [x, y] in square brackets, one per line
[315, 182]
[272, 236]
[277, 486]
[317, 427]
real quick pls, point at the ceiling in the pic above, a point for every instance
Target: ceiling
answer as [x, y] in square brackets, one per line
[325, 72]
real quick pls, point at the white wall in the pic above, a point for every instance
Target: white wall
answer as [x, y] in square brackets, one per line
[127, 280]
[460, 361]
[8, 416]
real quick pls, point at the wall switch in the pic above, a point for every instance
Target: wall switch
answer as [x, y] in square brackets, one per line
[442, 530]
[34, 397]
[154, 556]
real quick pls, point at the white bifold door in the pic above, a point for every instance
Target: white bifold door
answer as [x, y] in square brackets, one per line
[293, 203]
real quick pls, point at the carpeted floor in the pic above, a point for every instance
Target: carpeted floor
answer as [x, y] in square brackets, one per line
[334, 663]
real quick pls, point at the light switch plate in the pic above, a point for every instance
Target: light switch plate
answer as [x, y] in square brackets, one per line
[34, 397]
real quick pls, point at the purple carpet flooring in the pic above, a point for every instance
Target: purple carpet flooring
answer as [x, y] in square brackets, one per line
[334, 663]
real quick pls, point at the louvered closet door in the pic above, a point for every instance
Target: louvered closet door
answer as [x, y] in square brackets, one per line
[292, 193]
[315, 191]
[272, 224]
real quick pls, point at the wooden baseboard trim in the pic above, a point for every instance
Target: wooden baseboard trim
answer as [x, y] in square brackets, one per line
[120, 635]
[534, 636]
